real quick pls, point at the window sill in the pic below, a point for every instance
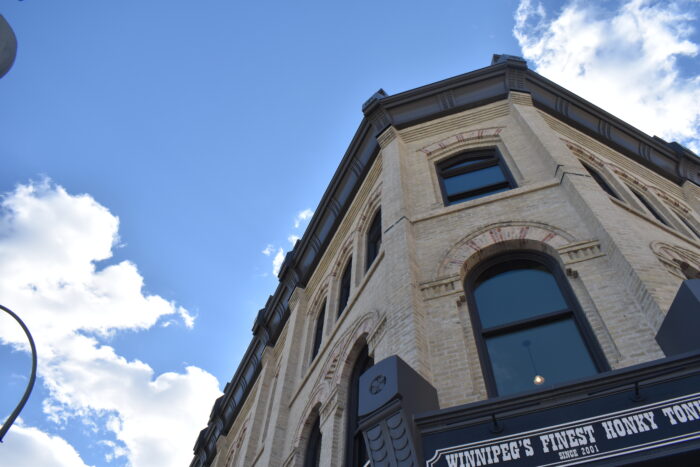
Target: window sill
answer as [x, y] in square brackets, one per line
[446, 210]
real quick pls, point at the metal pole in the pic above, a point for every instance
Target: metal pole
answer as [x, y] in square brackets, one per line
[8, 423]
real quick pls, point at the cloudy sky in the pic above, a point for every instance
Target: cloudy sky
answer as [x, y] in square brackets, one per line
[159, 158]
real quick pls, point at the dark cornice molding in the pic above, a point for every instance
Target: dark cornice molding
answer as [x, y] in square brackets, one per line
[474, 89]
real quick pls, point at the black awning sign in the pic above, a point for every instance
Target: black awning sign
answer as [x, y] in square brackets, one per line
[608, 435]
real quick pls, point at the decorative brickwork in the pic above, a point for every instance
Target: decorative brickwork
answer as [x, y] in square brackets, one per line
[509, 235]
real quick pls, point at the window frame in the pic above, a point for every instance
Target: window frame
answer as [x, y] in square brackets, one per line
[312, 453]
[354, 439]
[649, 208]
[372, 246]
[318, 328]
[601, 181]
[491, 156]
[689, 225]
[574, 311]
[345, 287]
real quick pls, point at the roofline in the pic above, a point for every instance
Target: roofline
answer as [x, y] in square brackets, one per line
[449, 96]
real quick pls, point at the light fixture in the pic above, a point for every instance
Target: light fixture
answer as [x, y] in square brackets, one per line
[538, 379]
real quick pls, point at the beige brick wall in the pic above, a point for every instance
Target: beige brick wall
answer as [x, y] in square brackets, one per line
[622, 265]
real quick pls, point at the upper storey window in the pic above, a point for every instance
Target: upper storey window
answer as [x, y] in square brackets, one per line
[313, 447]
[318, 332]
[374, 238]
[652, 210]
[473, 174]
[530, 330]
[344, 293]
[602, 183]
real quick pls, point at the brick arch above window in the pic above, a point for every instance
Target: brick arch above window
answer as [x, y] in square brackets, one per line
[373, 203]
[344, 348]
[318, 297]
[500, 237]
[460, 141]
[342, 258]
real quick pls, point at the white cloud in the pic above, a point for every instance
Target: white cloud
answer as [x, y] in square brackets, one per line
[623, 60]
[30, 447]
[302, 216]
[277, 261]
[187, 317]
[49, 242]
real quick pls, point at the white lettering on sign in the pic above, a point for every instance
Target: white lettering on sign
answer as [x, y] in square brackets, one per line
[632, 424]
[567, 439]
[682, 413]
[492, 454]
[612, 434]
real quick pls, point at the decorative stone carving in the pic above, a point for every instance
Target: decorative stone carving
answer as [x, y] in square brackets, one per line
[462, 139]
[386, 137]
[676, 259]
[440, 287]
[581, 251]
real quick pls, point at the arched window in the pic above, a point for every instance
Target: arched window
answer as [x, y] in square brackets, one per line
[355, 449]
[652, 210]
[472, 175]
[312, 458]
[600, 181]
[318, 332]
[344, 292]
[374, 239]
[690, 226]
[530, 330]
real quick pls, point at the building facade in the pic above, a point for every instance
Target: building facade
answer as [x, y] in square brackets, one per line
[487, 279]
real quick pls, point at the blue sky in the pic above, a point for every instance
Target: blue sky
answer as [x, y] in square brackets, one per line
[158, 156]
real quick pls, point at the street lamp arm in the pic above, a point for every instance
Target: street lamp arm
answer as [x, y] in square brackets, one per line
[8, 423]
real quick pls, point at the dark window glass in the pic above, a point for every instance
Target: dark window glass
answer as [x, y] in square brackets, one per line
[313, 448]
[651, 208]
[468, 163]
[553, 350]
[374, 238]
[318, 334]
[531, 331]
[355, 449]
[601, 181]
[472, 175]
[344, 287]
[531, 291]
